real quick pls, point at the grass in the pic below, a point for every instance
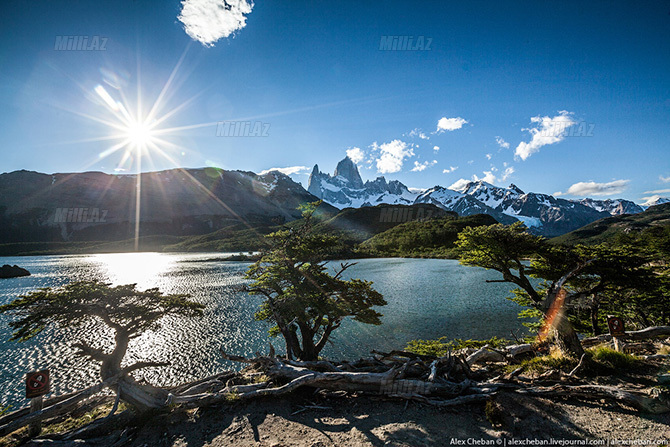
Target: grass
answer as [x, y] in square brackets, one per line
[614, 359]
[541, 364]
[603, 361]
[441, 346]
[20, 436]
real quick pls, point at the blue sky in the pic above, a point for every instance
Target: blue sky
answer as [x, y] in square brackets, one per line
[563, 97]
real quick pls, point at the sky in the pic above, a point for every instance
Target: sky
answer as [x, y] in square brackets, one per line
[565, 98]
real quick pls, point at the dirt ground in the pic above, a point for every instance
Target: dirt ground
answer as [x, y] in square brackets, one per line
[312, 420]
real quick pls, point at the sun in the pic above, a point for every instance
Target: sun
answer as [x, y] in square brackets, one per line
[139, 134]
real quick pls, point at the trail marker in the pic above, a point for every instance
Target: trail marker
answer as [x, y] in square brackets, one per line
[37, 385]
[617, 329]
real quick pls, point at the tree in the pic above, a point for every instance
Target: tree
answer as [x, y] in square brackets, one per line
[304, 301]
[619, 279]
[506, 250]
[124, 309]
[615, 278]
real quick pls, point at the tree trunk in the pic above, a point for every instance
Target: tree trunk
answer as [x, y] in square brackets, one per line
[594, 319]
[566, 337]
[309, 352]
[142, 397]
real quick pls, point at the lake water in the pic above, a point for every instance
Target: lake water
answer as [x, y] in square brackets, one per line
[427, 299]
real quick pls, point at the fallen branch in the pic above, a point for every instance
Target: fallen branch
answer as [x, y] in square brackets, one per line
[484, 355]
[643, 334]
[57, 409]
[634, 399]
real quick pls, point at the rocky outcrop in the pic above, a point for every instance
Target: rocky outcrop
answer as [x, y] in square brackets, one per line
[12, 271]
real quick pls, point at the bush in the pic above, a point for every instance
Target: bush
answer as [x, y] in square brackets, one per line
[555, 360]
[614, 359]
[440, 347]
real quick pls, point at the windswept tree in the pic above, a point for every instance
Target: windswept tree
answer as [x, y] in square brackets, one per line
[124, 309]
[302, 298]
[506, 250]
[618, 279]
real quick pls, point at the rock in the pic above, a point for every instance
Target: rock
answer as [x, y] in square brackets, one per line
[12, 271]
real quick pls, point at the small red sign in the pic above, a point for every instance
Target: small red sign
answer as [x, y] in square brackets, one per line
[616, 327]
[37, 383]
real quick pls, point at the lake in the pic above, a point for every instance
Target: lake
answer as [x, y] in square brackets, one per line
[427, 299]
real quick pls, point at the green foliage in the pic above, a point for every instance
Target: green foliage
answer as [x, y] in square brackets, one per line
[441, 346]
[615, 359]
[498, 247]
[431, 238]
[631, 281]
[84, 302]
[545, 363]
[302, 295]
[648, 229]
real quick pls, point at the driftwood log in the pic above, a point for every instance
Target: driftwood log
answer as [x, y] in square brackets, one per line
[444, 381]
[644, 334]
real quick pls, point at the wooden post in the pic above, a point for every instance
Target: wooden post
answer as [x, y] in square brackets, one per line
[36, 404]
[37, 385]
[617, 329]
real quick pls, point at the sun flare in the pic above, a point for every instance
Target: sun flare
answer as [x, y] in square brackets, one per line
[140, 134]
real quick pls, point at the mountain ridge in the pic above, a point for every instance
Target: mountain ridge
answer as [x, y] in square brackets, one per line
[541, 213]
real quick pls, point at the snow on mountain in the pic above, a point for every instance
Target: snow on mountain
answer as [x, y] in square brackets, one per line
[655, 201]
[542, 213]
[614, 207]
[461, 203]
[345, 188]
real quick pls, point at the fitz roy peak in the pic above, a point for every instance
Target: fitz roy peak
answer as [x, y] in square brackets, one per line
[541, 213]
[345, 189]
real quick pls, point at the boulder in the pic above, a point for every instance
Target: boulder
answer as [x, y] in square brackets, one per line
[12, 271]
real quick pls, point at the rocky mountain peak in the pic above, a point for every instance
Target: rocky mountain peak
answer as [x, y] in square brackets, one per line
[347, 169]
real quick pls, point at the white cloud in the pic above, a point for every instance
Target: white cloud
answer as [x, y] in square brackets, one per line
[207, 21]
[502, 143]
[459, 184]
[596, 189]
[450, 170]
[356, 154]
[392, 156]
[418, 133]
[450, 124]
[547, 131]
[289, 170]
[436, 148]
[418, 167]
[488, 156]
[664, 179]
[489, 177]
[508, 171]
[658, 191]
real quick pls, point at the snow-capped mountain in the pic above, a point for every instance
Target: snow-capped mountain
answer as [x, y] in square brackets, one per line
[345, 189]
[614, 207]
[542, 213]
[656, 201]
[463, 204]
